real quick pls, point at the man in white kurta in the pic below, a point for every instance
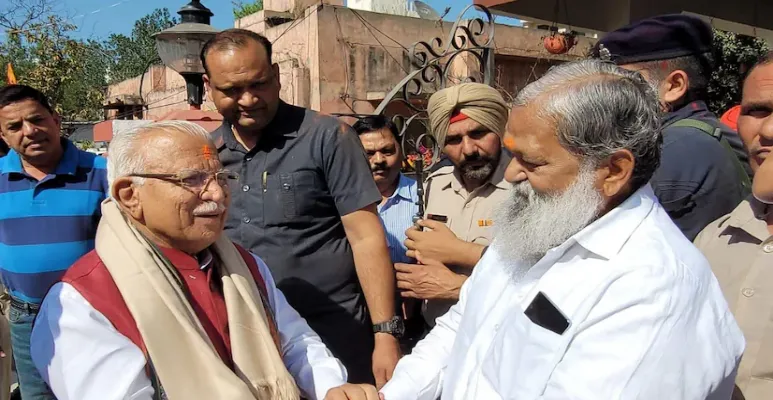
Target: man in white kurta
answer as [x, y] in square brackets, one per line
[645, 317]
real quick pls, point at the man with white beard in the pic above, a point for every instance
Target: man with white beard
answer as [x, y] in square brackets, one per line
[589, 290]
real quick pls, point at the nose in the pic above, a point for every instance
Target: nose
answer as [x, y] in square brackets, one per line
[469, 146]
[766, 131]
[377, 158]
[29, 129]
[515, 172]
[212, 191]
[248, 99]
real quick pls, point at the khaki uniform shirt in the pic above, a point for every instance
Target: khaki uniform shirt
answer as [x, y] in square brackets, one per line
[470, 215]
[740, 250]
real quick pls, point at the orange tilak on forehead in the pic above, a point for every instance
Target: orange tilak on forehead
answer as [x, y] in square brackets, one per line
[509, 142]
[206, 151]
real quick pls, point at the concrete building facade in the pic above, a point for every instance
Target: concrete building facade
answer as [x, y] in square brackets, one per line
[336, 59]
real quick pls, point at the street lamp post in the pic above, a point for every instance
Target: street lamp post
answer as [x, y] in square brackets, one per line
[180, 46]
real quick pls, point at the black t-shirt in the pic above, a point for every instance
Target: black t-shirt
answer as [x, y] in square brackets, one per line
[305, 173]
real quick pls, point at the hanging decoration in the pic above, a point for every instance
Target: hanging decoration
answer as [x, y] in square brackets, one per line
[560, 43]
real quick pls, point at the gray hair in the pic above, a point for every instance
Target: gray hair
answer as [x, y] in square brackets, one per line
[597, 109]
[125, 155]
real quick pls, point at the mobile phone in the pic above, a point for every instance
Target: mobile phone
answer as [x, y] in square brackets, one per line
[544, 313]
[438, 218]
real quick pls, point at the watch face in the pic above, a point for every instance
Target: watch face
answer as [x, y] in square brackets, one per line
[397, 327]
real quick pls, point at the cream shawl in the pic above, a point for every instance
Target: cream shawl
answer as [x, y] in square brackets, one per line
[186, 362]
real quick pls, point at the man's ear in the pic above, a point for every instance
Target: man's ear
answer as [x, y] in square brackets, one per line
[616, 174]
[207, 87]
[57, 119]
[675, 87]
[125, 193]
[275, 68]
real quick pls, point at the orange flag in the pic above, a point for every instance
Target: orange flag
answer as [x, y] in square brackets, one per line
[11, 77]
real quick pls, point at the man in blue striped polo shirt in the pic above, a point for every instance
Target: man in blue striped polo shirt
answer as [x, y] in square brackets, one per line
[50, 195]
[379, 137]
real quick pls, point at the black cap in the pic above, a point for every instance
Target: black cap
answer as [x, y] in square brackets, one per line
[654, 39]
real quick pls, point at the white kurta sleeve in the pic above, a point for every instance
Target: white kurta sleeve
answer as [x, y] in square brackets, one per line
[647, 339]
[81, 355]
[419, 376]
[309, 361]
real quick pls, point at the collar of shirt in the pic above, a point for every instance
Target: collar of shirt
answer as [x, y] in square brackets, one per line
[607, 235]
[68, 165]
[224, 135]
[185, 261]
[497, 179]
[406, 191]
[604, 237]
[696, 109]
[749, 217]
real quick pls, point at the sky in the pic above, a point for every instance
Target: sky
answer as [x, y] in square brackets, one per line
[97, 19]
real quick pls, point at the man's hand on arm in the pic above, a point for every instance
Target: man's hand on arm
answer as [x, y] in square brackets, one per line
[374, 270]
[351, 391]
[441, 244]
[428, 280]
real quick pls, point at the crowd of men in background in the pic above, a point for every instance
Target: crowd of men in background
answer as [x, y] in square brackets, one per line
[278, 257]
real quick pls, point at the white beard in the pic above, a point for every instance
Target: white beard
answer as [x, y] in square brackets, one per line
[528, 224]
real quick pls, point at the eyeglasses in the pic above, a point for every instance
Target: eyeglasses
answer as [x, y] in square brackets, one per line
[195, 179]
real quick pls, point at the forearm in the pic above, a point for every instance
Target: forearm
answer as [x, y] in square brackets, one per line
[376, 276]
[420, 374]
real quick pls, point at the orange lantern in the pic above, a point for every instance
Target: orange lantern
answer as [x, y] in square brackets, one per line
[559, 43]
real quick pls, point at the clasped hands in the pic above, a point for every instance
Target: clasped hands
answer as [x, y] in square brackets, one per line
[434, 249]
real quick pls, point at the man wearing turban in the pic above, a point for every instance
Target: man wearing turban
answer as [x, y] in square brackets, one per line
[467, 121]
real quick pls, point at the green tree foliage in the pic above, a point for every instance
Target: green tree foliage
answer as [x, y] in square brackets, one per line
[44, 56]
[73, 73]
[242, 9]
[734, 55]
[133, 54]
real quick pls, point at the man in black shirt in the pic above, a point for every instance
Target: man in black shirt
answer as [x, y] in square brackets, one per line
[306, 203]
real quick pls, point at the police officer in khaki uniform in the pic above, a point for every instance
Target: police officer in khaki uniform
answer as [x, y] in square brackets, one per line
[739, 245]
[468, 119]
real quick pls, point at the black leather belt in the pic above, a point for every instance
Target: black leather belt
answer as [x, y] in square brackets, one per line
[24, 306]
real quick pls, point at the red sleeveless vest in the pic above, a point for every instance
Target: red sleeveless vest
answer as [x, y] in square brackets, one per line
[93, 281]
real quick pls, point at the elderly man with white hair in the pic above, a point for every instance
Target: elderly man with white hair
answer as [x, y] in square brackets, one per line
[589, 290]
[166, 306]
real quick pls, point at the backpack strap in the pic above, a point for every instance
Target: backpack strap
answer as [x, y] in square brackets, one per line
[716, 133]
[703, 126]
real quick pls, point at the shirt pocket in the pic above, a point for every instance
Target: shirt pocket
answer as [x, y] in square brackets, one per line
[521, 358]
[291, 196]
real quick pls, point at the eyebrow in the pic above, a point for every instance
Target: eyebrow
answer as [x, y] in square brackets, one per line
[390, 146]
[755, 105]
[260, 80]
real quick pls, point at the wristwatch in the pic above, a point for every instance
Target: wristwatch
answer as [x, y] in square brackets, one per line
[394, 327]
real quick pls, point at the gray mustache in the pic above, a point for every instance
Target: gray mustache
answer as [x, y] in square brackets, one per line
[210, 207]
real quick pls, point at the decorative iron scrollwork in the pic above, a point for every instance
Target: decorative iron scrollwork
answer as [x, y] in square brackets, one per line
[431, 63]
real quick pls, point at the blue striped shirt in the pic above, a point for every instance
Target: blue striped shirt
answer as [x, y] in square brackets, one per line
[46, 225]
[397, 216]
